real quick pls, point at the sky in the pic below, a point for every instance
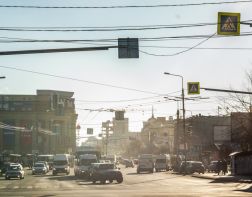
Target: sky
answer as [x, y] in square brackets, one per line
[140, 83]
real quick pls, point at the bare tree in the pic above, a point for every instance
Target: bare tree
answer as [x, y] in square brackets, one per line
[239, 107]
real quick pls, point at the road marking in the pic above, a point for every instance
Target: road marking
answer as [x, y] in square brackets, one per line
[15, 187]
[29, 187]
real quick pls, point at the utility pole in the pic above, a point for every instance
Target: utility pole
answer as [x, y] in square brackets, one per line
[106, 126]
[183, 105]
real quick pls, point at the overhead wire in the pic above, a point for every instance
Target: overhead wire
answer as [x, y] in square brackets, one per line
[180, 52]
[111, 28]
[80, 80]
[125, 6]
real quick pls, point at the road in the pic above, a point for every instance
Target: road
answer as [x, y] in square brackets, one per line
[156, 184]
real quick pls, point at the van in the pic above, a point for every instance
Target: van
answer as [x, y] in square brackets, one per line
[83, 164]
[61, 164]
[145, 163]
[162, 162]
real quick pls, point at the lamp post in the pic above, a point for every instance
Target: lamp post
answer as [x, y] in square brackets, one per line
[183, 109]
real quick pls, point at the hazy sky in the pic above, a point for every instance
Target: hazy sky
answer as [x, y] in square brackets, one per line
[213, 68]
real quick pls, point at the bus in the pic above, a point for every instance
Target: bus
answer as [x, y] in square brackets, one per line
[47, 158]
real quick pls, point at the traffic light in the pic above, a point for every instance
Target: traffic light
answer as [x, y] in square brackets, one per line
[128, 48]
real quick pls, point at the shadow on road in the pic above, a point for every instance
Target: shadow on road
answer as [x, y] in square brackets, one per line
[249, 190]
[62, 178]
[150, 181]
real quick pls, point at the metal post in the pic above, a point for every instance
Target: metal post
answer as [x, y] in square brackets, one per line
[183, 105]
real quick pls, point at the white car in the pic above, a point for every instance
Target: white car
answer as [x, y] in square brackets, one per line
[15, 171]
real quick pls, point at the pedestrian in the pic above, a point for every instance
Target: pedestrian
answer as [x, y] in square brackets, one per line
[218, 166]
[224, 167]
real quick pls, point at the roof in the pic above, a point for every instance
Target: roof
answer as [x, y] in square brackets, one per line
[244, 153]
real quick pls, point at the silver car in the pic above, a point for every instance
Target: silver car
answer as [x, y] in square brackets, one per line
[39, 168]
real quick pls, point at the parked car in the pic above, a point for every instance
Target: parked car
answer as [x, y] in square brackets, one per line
[105, 171]
[213, 166]
[4, 167]
[39, 168]
[191, 167]
[128, 163]
[14, 171]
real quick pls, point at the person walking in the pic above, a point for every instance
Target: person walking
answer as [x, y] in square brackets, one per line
[218, 167]
[224, 167]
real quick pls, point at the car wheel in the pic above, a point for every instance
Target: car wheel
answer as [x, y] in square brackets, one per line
[111, 180]
[119, 179]
[103, 181]
[94, 181]
[138, 171]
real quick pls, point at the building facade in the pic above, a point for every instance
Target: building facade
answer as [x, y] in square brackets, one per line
[41, 123]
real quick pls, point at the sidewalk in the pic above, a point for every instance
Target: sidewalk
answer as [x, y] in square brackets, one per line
[224, 178]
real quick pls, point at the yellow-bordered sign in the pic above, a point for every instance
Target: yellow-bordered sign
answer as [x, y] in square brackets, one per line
[228, 23]
[193, 88]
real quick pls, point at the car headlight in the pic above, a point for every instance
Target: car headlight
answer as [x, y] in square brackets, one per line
[33, 169]
[66, 168]
[54, 168]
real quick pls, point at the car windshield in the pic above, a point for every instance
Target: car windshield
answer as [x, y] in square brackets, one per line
[160, 161]
[63, 162]
[14, 168]
[106, 166]
[41, 165]
[87, 162]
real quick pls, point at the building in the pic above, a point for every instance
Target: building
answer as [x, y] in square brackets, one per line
[241, 127]
[41, 123]
[158, 135]
[208, 137]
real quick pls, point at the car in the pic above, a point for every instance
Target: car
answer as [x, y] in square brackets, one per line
[46, 165]
[190, 167]
[39, 168]
[128, 163]
[14, 171]
[105, 171]
[213, 166]
[4, 167]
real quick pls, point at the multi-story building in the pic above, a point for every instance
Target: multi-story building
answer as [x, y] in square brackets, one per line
[158, 135]
[41, 123]
[208, 137]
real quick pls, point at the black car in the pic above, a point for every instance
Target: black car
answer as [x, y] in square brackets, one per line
[191, 167]
[128, 163]
[105, 171]
[213, 167]
[3, 168]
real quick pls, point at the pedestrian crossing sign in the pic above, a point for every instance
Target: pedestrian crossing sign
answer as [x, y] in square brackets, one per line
[228, 23]
[193, 88]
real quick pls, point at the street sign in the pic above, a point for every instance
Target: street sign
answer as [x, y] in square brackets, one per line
[193, 88]
[228, 23]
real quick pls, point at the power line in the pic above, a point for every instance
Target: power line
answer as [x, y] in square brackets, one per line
[125, 6]
[80, 80]
[110, 28]
[99, 41]
[180, 52]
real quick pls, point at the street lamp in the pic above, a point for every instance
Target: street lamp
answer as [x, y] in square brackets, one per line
[183, 108]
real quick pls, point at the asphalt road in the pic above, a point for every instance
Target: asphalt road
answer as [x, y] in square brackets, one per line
[145, 184]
